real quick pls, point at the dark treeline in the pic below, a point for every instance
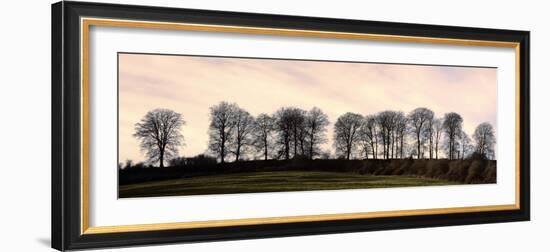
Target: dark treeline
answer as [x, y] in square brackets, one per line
[469, 171]
[291, 133]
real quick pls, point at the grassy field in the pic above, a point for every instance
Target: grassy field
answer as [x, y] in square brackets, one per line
[279, 181]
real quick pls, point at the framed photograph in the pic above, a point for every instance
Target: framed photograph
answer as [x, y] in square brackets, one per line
[181, 125]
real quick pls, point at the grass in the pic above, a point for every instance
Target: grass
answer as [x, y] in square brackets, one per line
[279, 181]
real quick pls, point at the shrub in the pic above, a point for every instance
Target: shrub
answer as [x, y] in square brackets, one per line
[457, 171]
[478, 156]
[463, 171]
[475, 171]
[436, 169]
[490, 173]
[418, 167]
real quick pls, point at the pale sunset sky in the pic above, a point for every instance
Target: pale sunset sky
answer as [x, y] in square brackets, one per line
[191, 84]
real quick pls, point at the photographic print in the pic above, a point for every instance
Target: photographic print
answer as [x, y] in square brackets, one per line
[198, 125]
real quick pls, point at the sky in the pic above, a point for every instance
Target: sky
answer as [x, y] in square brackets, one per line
[190, 85]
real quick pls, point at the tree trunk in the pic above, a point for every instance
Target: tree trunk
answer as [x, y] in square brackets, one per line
[222, 149]
[418, 144]
[388, 146]
[161, 158]
[375, 145]
[451, 139]
[401, 148]
[384, 147]
[431, 146]
[302, 148]
[392, 140]
[295, 140]
[238, 152]
[287, 148]
[311, 149]
[265, 150]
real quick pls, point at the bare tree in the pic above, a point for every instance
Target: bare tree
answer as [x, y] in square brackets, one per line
[390, 128]
[263, 133]
[244, 126]
[367, 136]
[346, 133]
[386, 124]
[298, 134]
[383, 121]
[437, 126]
[418, 119]
[316, 123]
[465, 145]
[400, 128]
[429, 135]
[393, 138]
[484, 137]
[221, 129]
[290, 127]
[364, 140]
[159, 134]
[284, 126]
[452, 126]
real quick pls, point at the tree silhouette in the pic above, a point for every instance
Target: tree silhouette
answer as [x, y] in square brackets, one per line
[437, 126]
[452, 126]
[418, 119]
[315, 127]
[386, 123]
[297, 119]
[484, 137]
[263, 133]
[400, 128]
[346, 133]
[368, 135]
[365, 140]
[465, 145]
[221, 129]
[290, 128]
[283, 124]
[429, 135]
[159, 134]
[244, 126]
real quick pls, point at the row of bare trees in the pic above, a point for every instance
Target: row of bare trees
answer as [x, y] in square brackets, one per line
[293, 132]
[287, 133]
[389, 130]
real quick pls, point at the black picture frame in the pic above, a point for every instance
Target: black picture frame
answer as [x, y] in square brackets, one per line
[66, 125]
